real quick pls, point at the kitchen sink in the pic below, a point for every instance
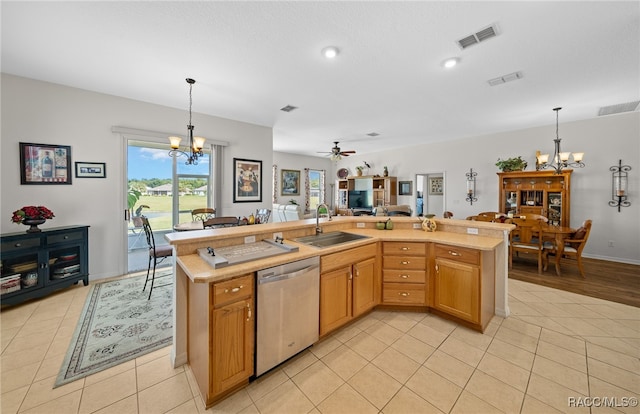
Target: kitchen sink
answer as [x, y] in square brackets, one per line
[329, 239]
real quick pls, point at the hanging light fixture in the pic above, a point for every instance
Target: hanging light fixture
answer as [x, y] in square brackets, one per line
[195, 143]
[560, 159]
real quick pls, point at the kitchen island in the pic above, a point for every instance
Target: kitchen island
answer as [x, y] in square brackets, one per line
[459, 271]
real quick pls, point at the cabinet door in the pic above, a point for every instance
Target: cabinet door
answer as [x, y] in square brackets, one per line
[364, 286]
[335, 299]
[457, 289]
[233, 342]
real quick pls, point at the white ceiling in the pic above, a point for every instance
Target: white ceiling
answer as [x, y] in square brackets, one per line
[252, 58]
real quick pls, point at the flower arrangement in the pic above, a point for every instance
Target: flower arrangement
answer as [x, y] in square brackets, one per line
[31, 212]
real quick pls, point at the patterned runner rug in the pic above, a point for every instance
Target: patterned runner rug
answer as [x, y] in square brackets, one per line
[119, 324]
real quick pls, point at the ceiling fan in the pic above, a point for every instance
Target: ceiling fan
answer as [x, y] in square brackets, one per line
[336, 153]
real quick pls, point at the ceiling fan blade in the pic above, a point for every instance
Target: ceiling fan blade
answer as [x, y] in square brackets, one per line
[347, 152]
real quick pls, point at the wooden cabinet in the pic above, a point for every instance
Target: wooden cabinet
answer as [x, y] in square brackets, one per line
[382, 191]
[36, 264]
[464, 285]
[348, 286]
[404, 273]
[221, 326]
[537, 192]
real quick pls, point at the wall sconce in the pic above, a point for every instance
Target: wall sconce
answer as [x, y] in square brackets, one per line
[619, 183]
[471, 186]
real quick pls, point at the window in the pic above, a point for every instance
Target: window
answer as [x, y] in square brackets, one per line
[315, 188]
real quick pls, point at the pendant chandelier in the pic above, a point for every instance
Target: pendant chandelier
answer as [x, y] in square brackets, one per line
[560, 159]
[195, 143]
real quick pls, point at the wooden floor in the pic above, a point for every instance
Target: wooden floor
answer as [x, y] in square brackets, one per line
[617, 282]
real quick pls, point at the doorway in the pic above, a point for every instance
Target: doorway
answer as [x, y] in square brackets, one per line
[430, 190]
[163, 189]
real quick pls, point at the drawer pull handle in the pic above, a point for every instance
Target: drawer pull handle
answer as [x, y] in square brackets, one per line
[452, 253]
[404, 276]
[404, 294]
[405, 262]
[404, 248]
[18, 245]
[233, 290]
[248, 312]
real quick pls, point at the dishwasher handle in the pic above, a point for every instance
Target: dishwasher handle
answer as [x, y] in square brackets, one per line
[270, 278]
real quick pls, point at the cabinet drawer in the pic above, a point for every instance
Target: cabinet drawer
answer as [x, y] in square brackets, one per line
[415, 249]
[404, 276]
[232, 290]
[347, 257]
[404, 293]
[12, 246]
[405, 262]
[65, 237]
[459, 254]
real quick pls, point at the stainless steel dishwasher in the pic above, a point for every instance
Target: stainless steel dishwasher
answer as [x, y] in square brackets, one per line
[287, 310]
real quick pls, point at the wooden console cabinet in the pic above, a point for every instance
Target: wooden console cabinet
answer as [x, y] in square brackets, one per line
[221, 321]
[348, 286]
[537, 192]
[43, 262]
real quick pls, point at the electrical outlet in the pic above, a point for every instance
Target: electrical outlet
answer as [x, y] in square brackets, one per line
[250, 239]
[472, 230]
[417, 226]
[360, 225]
[277, 234]
[611, 243]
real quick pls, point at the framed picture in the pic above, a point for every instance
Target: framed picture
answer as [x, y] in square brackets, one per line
[290, 183]
[404, 188]
[247, 185]
[45, 164]
[435, 185]
[91, 169]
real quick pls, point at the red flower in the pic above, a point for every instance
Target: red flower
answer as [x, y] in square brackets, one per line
[31, 212]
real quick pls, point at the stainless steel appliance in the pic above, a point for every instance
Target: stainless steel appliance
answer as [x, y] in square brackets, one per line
[287, 311]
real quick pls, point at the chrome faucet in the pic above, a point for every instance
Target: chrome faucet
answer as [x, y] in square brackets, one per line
[318, 228]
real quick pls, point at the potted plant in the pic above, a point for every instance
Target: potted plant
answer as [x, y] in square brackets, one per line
[511, 164]
[359, 170]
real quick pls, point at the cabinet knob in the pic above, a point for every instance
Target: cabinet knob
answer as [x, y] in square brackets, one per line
[405, 262]
[234, 290]
[66, 237]
[452, 253]
[404, 248]
[18, 245]
[404, 276]
[404, 294]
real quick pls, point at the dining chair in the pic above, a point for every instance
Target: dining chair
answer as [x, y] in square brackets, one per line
[573, 246]
[156, 255]
[202, 214]
[216, 222]
[262, 215]
[526, 239]
[480, 217]
[447, 214]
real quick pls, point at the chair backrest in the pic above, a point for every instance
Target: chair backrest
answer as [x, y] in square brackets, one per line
[580, 237]
[202, 214]
[293, 212]
[228, 221]
[447, 214]
[528, 232]
[262, 215]
[536, 217]
[480, 217]
[148, 232]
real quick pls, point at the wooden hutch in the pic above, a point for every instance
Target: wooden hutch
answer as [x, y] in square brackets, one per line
[537, 192]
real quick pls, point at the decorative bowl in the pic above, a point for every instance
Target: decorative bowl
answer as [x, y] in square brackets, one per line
[67, 257]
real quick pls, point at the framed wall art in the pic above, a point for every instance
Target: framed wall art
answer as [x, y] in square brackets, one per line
[91, 169]
[290, 183]
[45, 164]
[435, 185]
[247, 185]
[404, 188]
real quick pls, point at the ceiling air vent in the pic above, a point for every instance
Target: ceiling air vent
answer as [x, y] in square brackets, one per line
[505, 78]
[289, 108]
[480, 36]
[619, 108]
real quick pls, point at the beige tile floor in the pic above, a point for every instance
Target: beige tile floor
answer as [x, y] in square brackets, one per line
[557, 347]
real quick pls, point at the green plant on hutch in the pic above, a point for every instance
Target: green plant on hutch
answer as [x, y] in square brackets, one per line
[511, 164]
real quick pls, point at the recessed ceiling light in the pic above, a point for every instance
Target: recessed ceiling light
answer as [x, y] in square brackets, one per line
[451, 62]
[330, 52]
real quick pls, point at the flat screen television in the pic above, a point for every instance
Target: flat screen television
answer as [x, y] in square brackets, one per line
[361, 200]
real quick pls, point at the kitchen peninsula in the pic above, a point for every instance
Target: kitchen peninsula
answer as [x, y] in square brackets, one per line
[459, 271]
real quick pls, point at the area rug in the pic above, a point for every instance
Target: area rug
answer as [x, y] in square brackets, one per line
[119, 324]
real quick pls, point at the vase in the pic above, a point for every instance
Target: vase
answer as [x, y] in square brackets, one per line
[428, 223]
[34, 224]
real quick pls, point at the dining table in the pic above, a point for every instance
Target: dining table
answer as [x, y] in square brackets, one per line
[559, 234]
